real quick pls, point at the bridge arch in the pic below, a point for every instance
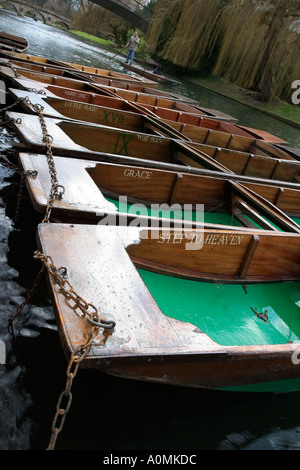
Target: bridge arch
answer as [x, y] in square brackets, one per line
[48, 17]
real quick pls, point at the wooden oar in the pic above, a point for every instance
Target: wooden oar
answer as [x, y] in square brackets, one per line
[118, 53]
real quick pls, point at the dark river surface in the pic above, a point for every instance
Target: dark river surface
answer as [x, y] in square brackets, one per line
[108, 413]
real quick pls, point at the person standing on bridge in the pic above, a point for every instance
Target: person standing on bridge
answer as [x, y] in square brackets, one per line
[132, 45]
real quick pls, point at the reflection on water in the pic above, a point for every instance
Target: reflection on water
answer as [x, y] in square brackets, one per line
[107, 412]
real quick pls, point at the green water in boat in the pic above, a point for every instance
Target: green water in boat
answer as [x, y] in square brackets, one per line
[225, 312]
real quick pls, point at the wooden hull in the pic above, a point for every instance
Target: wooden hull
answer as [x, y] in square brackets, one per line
[187, 123]
[145, 344]
[131, 92]
[69, 70]
[161, 107]
[88, 184]
[150, 75]
[265, 250]
[9, 42]
[83, 140]
[129, 116]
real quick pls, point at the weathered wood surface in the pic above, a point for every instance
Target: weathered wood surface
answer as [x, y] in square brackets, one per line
[86, 181]
[72, 138]
[145, 344]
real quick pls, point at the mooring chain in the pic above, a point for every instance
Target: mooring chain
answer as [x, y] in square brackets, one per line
[56, 191]
[90, 312]
[10, 106]
[11, 66]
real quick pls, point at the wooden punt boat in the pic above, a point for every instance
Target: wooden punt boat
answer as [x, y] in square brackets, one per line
[10, 42]
[102, 76]
[128, 116]
[203, 338]
[43, 60]
[132, 93]
[29, 59]
[92, 190]
[151, 75]
[181, 120]
[83, 140]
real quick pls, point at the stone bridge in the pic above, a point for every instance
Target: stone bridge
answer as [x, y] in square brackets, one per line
[47, 16]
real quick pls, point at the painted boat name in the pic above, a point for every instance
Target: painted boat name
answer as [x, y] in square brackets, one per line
[200, 238]
[137, 173]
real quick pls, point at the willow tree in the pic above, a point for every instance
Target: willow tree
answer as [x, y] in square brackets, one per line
[260, 45]
[257, 40]
[184, 31]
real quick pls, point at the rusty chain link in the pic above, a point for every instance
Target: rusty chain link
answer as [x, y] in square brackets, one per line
[55, 193]
[47, 139]
[89, 311]
[92, 316]
[81, 351]
[11, 66]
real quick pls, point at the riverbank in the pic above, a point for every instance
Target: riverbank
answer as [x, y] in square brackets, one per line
[285, 112]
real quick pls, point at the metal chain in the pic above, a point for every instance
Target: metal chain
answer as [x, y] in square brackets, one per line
[81, 351]
[89, 311]
[11, 66]
[55, 193]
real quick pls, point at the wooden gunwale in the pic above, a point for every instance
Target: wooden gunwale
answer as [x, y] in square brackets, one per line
[27, 60]
[60, 67]
[190, 125]
[74, 138]
[240, 130]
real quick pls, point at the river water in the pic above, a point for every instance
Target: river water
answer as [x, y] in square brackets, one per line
[107, 413]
